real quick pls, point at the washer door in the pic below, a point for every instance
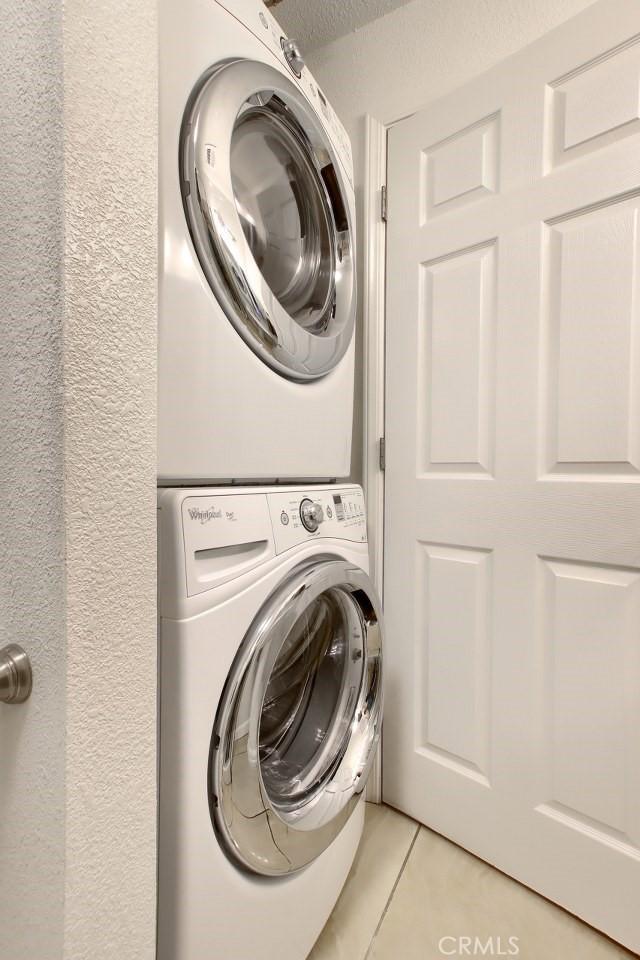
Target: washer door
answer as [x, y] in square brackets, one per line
[265, 199]
[299, 720]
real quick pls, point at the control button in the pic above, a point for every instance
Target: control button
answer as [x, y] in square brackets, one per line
[284, 518]
[263, 20]
[311, 515]
[292, 55]
[329, 512]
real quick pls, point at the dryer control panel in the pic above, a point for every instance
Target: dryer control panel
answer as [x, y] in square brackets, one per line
[301, 515]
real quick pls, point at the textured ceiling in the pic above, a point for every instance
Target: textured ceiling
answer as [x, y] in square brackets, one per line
[316, 22]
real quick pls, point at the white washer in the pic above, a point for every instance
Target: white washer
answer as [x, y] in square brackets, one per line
[257, 275]
[270, 712]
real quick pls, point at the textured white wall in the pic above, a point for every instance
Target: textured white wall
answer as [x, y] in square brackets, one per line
[31, 496]
[314, 24]
[110, 149]
[77, 477]
[415, 54]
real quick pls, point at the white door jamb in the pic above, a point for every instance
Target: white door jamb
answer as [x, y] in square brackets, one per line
[373, 312]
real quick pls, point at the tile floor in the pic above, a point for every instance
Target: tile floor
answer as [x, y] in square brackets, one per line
[409, 887]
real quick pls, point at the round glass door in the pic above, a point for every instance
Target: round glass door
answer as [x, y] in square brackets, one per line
[308, 704]
[268, 210]
[285, 215]
[299, 720]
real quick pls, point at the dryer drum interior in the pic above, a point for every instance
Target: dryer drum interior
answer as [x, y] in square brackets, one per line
[265, 200]
[285, 214]
[299, 720]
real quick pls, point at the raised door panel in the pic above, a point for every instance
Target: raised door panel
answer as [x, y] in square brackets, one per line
[591, 362]
[596, 103]
[454, 675]
[457, 362]
[591, 699]
[460, 169]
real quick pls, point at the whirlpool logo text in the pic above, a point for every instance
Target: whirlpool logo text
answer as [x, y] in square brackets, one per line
[204, 516]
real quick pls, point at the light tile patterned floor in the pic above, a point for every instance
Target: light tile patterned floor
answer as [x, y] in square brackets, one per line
[410, 887]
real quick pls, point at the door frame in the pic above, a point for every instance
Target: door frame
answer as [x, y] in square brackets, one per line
[373, 312]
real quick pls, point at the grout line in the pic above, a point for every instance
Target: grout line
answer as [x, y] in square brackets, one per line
[393, 890]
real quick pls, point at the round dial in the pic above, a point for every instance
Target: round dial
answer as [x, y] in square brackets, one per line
[293, 56]
[311, 515]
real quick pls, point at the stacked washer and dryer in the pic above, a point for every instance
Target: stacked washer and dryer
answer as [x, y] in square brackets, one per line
[270, 628]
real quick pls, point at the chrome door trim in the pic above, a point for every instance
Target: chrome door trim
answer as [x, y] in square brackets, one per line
[216, 228]
[257, 834]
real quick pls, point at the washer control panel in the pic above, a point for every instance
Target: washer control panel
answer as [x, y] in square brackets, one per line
[337, 512]
[208, 536]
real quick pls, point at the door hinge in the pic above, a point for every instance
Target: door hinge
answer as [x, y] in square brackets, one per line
[383, 204]
[381, 454]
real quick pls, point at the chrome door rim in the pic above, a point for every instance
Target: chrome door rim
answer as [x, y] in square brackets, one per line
[216, 228]
[257, 834]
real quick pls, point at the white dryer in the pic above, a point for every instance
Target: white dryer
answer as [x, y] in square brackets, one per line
[257, 259]
[270, 712]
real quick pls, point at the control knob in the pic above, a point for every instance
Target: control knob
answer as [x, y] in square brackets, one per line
[311, 515]
[293, 55]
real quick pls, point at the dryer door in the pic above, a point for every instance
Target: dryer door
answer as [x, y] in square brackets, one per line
[299, 720]
[268, 210]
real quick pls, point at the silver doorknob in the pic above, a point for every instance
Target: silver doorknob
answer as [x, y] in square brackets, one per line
[16, 678]
[293, 55]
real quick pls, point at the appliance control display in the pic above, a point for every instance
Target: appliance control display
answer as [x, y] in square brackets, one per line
[318, 513]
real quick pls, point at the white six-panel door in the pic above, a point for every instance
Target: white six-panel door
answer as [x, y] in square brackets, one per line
[512, 527]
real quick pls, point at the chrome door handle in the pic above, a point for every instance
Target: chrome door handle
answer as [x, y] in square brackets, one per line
[16, 678]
